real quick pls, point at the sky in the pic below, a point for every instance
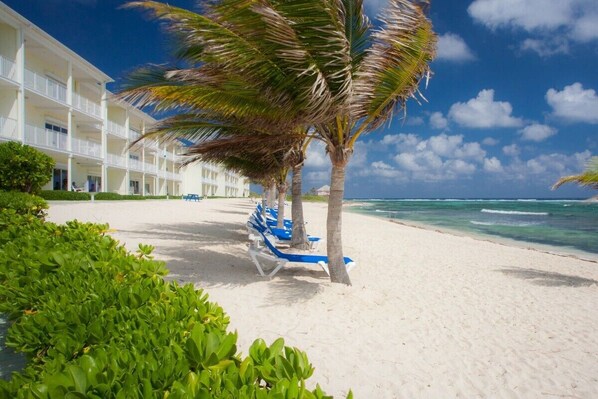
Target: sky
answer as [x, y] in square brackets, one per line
[511, 107]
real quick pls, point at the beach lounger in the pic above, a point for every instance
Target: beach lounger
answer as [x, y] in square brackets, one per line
[270, 252]
[282, 236]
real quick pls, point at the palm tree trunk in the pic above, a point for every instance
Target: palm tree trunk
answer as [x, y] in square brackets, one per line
[334, 244]
[282, 195]
[264, 193]
[271, 195]
[299, 235]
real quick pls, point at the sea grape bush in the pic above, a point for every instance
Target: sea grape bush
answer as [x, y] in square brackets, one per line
[99, 322]
[61, 195]
[22, 203]
[23, 168]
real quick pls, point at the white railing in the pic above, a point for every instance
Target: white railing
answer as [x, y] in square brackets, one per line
[85, 147]
[8, 128]
[116, 160]
[87, 106]
[45, 138]
[176, 176]
[134, 135]
[150, 168]
[44, 86]
[116, 129]
[8, 68]
[162, 174]
[135, 164]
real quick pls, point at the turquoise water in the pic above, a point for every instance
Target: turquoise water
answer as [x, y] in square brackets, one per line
[568, 224]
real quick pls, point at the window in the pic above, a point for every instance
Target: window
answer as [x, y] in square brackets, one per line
[56, 128]
[60, 179]
[134, 187]
[94, 184]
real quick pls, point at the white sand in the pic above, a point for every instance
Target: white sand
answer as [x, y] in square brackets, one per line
[429, 315]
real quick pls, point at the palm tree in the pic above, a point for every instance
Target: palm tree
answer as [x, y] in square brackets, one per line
[284, 65]
[588, 178]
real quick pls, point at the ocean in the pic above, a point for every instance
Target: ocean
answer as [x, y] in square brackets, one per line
[565, 224]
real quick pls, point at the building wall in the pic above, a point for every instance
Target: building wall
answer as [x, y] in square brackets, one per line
[88, 131]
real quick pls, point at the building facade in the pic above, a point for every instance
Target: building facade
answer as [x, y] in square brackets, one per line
[54, 100]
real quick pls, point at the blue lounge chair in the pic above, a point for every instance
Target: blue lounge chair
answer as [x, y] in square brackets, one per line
[255, 224]
[270, 252]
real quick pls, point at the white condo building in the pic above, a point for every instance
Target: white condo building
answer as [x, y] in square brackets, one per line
[54, 100]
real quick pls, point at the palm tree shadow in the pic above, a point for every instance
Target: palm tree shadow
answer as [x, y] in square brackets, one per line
[209, 254]
[548, 279]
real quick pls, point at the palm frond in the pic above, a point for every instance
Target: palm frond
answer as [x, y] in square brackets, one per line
[589, 178]
[395, 63]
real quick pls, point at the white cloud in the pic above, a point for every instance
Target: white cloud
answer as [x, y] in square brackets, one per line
[382, 169]
[317, 177]
[414, 121]
[511, 150]
[438, 121]
[483, 112]
[546, 47]
[574, 104]
[452, 47]
[545, 20]
[490, 141]
[493, 165]
[537, 132]
[440, 157]
[316, 156]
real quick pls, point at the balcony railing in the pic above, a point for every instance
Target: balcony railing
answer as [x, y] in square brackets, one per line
[135, 164]
[150, 168]
[116, 129]
[116, 160]
[8, 128]
[87, 106]
[176, 176]
[45, 86]
[134, 135]
[85, 147]
[45, 138]
[8, 68]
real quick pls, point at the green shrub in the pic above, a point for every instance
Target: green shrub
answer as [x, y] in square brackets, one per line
[60, 195]
[117, 197]
[23, 203]
[99, 322]
[23, 168]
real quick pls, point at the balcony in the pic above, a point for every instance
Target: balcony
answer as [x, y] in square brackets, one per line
[8, 69]
[116, 129]
[116, 160]
[135, 164]
[8, 129]
[150, 168]
[87, 148]
[87, 106]
[40, 137]
[134, 135]
[44, 86]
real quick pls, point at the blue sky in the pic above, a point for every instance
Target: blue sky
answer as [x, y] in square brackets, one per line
[511, 107]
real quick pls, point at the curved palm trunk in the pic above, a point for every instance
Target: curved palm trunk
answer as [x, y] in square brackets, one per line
[334, 242]
[299, 235]
[264, 201]
[271, 194]
[282, 195]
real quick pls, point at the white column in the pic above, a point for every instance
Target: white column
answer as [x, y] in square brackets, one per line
[20, 66]
[69, 180]
[104, 105]
[127, 153]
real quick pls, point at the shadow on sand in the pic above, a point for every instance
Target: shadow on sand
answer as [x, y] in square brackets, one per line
[548, 279]
[215, 254]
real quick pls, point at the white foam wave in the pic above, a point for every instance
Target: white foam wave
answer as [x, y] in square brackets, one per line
[501, 212]
[514, 224]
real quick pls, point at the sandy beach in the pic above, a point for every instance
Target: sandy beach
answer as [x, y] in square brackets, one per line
[429, 315]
